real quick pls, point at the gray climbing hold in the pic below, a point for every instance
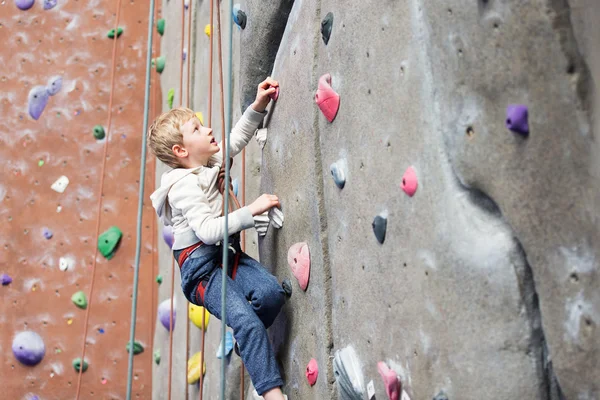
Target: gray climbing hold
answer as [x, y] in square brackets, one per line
[24, 4]
[441, 396]
[379, 227]
[348, 374]
[338, 172]
[6, 279]
[287, 287]
[28, 348]
[37, 99]
[54, 85]
[326, 26]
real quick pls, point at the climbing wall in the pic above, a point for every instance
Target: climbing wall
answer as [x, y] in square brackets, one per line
[55, 84]
[449, 201]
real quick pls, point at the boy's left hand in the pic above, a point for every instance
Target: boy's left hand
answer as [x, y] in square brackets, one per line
[265, 89]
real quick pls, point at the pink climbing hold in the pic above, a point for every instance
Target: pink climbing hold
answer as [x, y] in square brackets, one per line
[327, 99]
[409, 181]
[393, 388]
[275, 96]
[299, 261]
[312, 372]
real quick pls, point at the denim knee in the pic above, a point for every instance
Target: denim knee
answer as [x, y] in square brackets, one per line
[268, 299]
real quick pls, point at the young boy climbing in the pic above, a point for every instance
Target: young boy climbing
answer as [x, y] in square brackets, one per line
[190, 199]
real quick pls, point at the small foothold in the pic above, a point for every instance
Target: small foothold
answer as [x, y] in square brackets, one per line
[99, 132]
[170, 97]
[186, 4]
[312, 372]
[239, 17]
[517, 118]
[28, 348]
[77, 364]
[159, 279]
[261, 137]
[299, 261]
[137, 347]
[157, 357]
[6, 279]
[287, 287]
[184, 55]
[24, 4]
[100, 330]
[47, 233]
[60, 185]
[160, 26]
[200, 117]
[40, 163]
[109, 241]
[275, 96]
[441, 396]
[338, 173]
[276, 217]
[261, 223]
[410, 181]
[79, 300]
[54, 85]
[64, 263]
[193, 368]
[104, 381]
[38, 98]
[228, 345]
[379, 228]
[371, 390]
[393, 388]
[236, 186]
[164, 313]
[326, 26]
[327, 99]
[167, 234]
[160, 64]
[196, 313]
[207, 30]
[111, 33]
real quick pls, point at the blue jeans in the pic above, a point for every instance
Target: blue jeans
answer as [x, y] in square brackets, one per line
[249, 321]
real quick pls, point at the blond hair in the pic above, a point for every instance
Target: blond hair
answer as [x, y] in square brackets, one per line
[165, 132]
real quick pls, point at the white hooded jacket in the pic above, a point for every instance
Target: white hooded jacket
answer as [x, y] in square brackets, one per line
[189, 200]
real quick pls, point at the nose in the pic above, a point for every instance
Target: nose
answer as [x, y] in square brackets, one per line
[210, 131]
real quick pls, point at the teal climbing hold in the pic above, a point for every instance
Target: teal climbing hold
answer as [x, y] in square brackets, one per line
[137, 347]
[326, 26]
[109, 241]
[77, 364]
[159, 279]
[99, 132]
[80, 300]
[160, 64]
[111, 33]
[170, 97]
[160, 26]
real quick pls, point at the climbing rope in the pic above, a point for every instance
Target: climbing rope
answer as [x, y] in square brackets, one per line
[138, 242]
[99, 211]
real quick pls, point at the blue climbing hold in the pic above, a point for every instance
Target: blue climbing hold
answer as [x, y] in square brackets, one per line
[100, 330]
[379, 227]
[338, 173]
[49, 4]
[54, 85]
[38, 98]
[239, 17]
[517, 118]
[235, 185]
[228, 345]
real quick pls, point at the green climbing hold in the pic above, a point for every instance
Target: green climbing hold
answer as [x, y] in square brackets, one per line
[77, 365]
[157, 357]
[79, 300]
[159, 279]
[108, 242]
[111, 33]
[40, 163]
[160, 64]
[99, 132]
[160, 26]
[170, 97]
[137, 347]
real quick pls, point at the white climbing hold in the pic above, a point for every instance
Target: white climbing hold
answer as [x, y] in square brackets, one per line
[60, 185]
[261, 137]
[261, 223]
[371, 389]
[276, 217]
[64, 263]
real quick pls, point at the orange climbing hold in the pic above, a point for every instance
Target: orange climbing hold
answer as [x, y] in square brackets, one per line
[327, 99]
[299, 261]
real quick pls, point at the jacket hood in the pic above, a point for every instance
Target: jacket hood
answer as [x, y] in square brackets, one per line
[159, 197]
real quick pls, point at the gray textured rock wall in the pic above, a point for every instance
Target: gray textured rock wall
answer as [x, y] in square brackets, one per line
[487, 282]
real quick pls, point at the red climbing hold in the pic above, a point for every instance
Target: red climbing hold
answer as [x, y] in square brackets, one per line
[312, 372]
[393, 388]
[327, 99]
[409, 181]
[299, 261]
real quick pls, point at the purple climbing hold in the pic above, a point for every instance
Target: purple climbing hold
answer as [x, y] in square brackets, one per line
[168, 235]
[38, 98]
[184, 56]
[54, 85]
[517, 118]
[28, 347]
[47, 233]
[49, 4]
[164, 309]
[24, 4]
[6, 280]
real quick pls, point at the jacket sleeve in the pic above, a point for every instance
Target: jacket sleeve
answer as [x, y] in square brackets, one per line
[241, 133]
[188, 197]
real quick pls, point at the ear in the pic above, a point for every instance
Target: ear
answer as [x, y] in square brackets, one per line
[180, 151]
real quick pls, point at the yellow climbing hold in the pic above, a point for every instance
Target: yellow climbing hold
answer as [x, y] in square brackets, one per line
[193, 368]
[207, 30]
[69, 321]
[196, 316]
[200, 117]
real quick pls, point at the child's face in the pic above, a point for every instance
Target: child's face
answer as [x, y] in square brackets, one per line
[199, 142]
